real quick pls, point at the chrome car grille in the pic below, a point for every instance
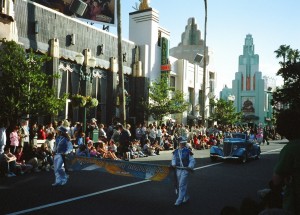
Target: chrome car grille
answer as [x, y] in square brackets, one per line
[227, 148]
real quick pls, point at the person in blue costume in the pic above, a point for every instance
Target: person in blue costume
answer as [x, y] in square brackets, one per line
[62, 147]
[183, 163]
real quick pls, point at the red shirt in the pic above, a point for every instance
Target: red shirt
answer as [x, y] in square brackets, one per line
[196, 141]
[41, 135]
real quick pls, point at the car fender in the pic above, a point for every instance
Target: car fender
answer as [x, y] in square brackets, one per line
[239, 152]
[257, 147]
[216, 150]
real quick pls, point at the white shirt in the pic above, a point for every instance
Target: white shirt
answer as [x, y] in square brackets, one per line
[2, 136]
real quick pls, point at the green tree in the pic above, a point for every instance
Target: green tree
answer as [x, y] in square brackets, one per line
[286, 99]
[224, 112]
[164, 100]
[282, 51]
[288, 95]
[25, 88]
[293, 56]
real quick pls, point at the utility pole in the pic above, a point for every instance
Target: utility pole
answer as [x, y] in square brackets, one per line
[121, 91]
[204, 68]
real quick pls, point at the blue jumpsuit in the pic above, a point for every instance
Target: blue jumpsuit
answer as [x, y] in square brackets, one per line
[183, 160]
[62, 146]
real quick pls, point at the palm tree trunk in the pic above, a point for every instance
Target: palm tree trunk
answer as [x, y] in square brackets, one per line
[121, 90]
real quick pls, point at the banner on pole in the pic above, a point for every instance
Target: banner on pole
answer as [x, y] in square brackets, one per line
[123, 168]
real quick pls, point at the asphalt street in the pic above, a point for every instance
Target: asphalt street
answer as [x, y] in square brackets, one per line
[212, 186]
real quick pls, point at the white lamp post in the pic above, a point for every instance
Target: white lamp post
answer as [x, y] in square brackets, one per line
[79, 58]
[231, 98]
[85, 75]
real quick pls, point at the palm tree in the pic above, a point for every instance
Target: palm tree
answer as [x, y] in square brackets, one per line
[282, 51]
[293, 55]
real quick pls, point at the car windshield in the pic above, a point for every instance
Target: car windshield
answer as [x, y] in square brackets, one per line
[235, 135]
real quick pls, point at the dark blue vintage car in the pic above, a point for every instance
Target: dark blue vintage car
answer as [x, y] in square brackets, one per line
[235, 146]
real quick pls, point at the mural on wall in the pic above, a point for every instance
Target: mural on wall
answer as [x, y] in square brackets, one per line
[248, 105]
[86, 10]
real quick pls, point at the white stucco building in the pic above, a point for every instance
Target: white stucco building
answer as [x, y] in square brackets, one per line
[185, 74]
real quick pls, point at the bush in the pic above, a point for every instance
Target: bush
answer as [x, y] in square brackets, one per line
[78, 100]
[91, 102]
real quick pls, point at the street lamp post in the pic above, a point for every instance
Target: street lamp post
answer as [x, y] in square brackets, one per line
[198, 59]
[231, 98]
[269, 109]
[86, 74]
[204, 67]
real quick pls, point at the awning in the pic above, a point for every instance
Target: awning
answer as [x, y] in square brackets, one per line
[6, 18]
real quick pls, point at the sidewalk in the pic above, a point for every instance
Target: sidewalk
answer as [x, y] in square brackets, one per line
[283, 141]
[163, 155]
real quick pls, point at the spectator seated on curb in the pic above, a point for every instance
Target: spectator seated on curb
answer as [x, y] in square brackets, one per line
[31, 157]
[203, 142]
[212, 140]
[196, 142]
[112, 147]
[89, 144]
[82, 151]
[20, 161]
[133, 151]
[45, 157]
[102, 149]
[148, 149]
[157, 147]
[8, 163]
[137, 145]
[94, 152]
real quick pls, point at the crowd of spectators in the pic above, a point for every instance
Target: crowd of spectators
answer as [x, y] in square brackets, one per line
[19, 152]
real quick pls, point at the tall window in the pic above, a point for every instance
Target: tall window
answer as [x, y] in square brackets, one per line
[172, 82]
[2, 2]
[159, 38]
[191, 95]
[200, 97]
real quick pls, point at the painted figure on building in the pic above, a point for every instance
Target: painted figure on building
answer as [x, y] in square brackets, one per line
[248, 107]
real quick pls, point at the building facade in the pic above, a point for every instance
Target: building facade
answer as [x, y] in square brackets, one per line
[188, 60]
[251, 91]
[144, 56]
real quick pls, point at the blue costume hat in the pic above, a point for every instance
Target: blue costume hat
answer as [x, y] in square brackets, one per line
[182, 140]
[62, 129]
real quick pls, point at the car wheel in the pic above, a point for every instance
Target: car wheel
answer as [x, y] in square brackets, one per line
[244, 158]
[213, 159]
[257, 157]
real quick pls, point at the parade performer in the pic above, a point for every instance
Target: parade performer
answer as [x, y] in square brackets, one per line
[183, 163]
[62, 146]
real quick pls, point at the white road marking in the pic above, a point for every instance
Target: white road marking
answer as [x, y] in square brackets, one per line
[76, 198]
[209, 165]
[107, 190]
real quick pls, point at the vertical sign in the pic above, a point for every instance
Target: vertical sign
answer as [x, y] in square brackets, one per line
[165, 65]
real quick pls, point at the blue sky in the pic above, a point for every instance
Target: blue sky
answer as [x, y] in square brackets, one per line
[270, 22]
